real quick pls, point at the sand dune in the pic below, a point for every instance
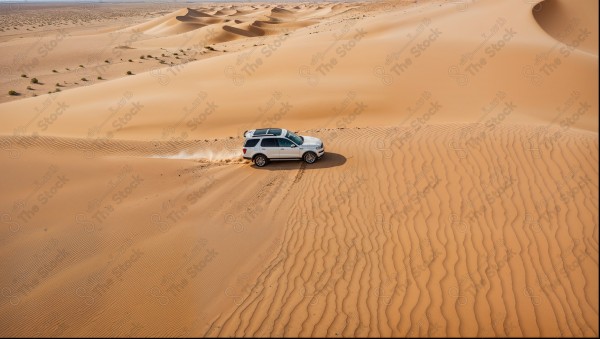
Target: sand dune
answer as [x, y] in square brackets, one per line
[276, 26]
[570, 22]
[271, 21]
[244, 29]
[197, 13]
[167, 20]
[458, 195]
[281, 12]
[227, 12]
[181, 21]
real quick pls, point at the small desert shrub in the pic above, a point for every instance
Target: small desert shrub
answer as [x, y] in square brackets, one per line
[149, 56]
[99, 78]
[81, 66]
[130, 60]
[23, 75]
[142, 57]
[34, 81]
[129, 73]
[106, 61]
[57, 90]
[11, 92]
[30, 88]
[54, 71]
[83, 79]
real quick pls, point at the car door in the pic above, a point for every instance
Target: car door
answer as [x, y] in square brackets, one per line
[288, 149]
[270, 148]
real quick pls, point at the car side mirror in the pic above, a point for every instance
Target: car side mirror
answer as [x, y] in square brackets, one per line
[294, 146]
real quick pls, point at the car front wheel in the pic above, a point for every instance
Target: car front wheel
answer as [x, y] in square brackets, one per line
[309, 157]
[260, 160]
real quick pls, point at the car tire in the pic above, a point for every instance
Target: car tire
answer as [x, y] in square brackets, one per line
[309, 157]
[261, 160]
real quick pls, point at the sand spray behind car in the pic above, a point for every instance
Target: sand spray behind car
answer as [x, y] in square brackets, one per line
[208, 155]
[224, 150]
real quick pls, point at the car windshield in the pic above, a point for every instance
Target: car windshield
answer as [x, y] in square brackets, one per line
[298, 140]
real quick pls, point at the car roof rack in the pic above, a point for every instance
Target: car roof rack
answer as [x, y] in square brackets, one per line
[264, 132]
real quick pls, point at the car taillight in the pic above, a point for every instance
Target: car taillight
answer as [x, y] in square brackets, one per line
[244, 150]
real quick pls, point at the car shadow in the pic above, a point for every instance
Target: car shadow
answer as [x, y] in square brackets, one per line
[328, 160]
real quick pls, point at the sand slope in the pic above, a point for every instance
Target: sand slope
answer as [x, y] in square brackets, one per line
[458, 195]
[388, 235]
[64, 57]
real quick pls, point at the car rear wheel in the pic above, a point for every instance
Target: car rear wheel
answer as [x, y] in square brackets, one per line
[309, 157]
[260, 160]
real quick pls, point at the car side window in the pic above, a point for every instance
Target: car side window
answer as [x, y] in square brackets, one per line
[251, 142]
[285, 142]
[269, 142]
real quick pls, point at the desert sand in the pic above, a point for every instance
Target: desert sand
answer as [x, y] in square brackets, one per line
[458, 195]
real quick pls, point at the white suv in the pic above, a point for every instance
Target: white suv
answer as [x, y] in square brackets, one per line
[265, 144]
